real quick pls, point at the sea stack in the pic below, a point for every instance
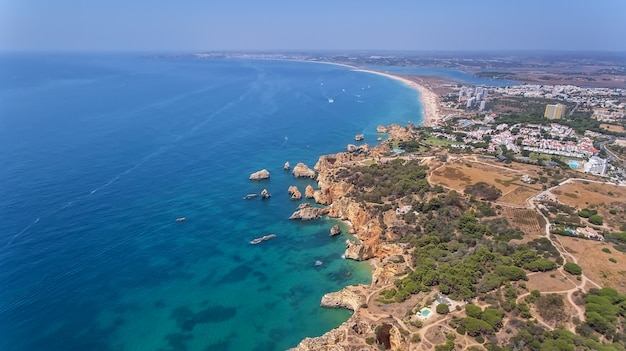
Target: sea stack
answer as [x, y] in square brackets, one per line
[294, 192]
[335, 230]
[287, 166]
[265, 194]
[262, 174]
[309, 192]
[359, 137]
[303, 171]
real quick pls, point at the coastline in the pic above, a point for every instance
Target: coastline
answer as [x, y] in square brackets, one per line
[428, 98]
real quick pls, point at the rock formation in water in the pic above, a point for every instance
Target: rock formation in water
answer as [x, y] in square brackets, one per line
[262, 174]
[348, 298]
[382, 129]
[309, 192]
[294, 192]
[303, 171]
[361, 149]
[287, 166]
[335, 230]
[265, 194]
[307, 212]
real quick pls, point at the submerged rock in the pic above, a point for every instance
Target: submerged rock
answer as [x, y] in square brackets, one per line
[262, 174]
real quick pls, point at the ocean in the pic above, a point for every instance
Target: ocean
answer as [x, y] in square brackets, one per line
[101, 153]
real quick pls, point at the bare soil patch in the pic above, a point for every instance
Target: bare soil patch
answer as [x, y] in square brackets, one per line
[595, 263]
[545, 283]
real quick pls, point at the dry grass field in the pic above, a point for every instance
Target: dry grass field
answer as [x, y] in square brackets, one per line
[544, 282]
[613, 127]
[595, 262]
[519, 195]
[578, 194]
[459, 175]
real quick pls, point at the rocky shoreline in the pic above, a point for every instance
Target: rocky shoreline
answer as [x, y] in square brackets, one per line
[371, 245]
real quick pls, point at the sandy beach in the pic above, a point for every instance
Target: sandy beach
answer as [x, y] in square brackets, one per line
[429, 99]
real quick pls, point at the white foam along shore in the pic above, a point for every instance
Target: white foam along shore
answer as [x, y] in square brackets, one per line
[429, 99]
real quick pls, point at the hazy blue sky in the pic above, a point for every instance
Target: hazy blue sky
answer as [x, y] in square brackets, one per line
[314, 24]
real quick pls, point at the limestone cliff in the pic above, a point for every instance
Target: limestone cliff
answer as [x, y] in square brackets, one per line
[350, 298]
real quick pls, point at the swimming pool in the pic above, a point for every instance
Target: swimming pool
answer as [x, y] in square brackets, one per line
[425, 312]
[573, 164]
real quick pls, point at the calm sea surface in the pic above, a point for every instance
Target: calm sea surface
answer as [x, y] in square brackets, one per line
[99, 154]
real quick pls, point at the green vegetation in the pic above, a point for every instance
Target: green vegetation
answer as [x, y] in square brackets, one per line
[596, 219]
[483, 191]
[442, 308]
[389, 181]
[573, 268]
[479, 322]
[605, 312]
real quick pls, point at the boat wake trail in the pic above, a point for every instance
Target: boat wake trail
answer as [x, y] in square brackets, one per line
[22, 231]
[150, 156]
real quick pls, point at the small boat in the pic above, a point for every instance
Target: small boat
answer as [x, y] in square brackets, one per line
[263, 238]
[318, 263]
[181, 219]
[330, 101]
[250, 196]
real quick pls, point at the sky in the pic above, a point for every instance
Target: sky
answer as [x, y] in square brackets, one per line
[257, 25]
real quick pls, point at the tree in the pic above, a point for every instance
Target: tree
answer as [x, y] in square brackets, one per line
[473, 311]
[572, 268]
[442, 308]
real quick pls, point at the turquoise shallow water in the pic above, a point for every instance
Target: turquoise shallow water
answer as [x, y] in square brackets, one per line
[100, 155]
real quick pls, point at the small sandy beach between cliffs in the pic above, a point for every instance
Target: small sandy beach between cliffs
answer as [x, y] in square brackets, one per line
[429, 99]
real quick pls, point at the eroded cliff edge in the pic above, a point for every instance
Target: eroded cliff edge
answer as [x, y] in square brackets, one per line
[388, 259]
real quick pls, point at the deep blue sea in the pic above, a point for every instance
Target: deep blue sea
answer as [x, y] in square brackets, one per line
[99, 154]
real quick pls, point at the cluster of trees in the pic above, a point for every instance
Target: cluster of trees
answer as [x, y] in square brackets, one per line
[532, 337]
[484, 191]
[388, 181]
[479, 322]
[591, 215]
[605, 312]
[412, 146]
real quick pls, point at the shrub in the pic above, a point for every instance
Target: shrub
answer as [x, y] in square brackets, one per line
[572, 268]
[613, 260]
[606, 249]
[596, 219]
